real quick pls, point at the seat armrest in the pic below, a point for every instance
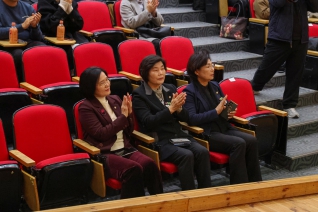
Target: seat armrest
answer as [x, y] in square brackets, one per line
[312, 53]
[125, 30]
[172, 28]
[143, 137]
[86, 33]
[239, 120]
[154, 155]
[86, 146]
[21, 158]
[175, 71]
[204, 143]
[258, 20]
[31, 88]
[75, 79]
[312, 20]
[218, 67]
[251, 132]
[36, 102]
[275, 111]
[194, 129]
[131, 76]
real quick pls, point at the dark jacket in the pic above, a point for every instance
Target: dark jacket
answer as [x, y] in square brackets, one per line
[281, 19]
[155, 119]
[201, 113]
[52, 13]
[98, 128]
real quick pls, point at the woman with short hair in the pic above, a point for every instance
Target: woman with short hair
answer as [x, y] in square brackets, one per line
[107, 123]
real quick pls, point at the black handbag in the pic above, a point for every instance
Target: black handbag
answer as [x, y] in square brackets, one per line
[150, 31]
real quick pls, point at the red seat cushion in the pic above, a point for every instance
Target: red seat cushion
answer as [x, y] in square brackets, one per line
[5, 162]
[62, 158]
[256, 113]
[219, 158]
[113, 183]
[168, 167]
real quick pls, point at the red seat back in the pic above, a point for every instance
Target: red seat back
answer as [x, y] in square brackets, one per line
[35, 6]
[3, 145]
[41, 132]
[132, 52]
[313, 30]
[94, 54]
[241, 92]
[252, 9]
[8, 76]
[95, 15]
[176, 51]
[79, 129]
[45, 65]
[117, 13]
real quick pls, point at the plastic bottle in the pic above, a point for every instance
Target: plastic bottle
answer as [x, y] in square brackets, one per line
[60, 32]
[13, 34]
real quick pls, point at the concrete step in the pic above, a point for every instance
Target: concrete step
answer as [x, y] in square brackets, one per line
[236, 61]
[277, 80]
[181, 14]
[302, 152]
[195, 29]
[215, 44]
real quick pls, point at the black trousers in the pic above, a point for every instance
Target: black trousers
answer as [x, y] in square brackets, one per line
[276, 52]
[17, 56]
[243, 151]
[192, 160]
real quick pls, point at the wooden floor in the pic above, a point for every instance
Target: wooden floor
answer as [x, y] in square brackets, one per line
[292, 194]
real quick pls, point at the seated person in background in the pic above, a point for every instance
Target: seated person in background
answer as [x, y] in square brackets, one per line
[135, 13]
[107, 123]
[26, 21]
[205, 105]
[158, 108]
[261, 8]
[55, 10]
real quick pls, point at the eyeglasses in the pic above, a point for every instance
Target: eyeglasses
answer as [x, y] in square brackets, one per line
[104, 82]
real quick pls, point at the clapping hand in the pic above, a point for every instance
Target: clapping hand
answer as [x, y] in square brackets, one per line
[124, 106]
[177, 101]
[221, 106]
[152, 6]
[36, 19]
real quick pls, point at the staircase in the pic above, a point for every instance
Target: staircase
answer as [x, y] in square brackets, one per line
[302, 145]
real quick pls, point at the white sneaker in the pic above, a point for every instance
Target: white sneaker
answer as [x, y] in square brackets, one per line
[292, 113]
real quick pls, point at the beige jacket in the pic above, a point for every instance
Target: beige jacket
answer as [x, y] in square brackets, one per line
[132, 16]
[261, 8]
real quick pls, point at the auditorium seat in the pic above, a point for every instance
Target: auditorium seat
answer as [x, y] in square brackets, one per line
[11, 96]
[48, 79]
[54, 175]
[131, 53]
[10, 179]
[270, 125]
[101, 55]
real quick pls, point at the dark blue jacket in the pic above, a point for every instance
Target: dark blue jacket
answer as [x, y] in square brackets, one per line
[281, 19]
[200, 112]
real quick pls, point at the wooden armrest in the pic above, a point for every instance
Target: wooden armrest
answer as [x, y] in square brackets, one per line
[36, 102]
[240, 120]
[312, 53]
[175, 71]
[218, 67]
[197, 130]
[31, 88]
[154, 155]
[257, 20]
[251, 132]
[86, 146]
[76, 79]
[86, 33]
[131, 76]
[312, 20]
[125, 30]
[204, 143]
[21, 158]
[143, 137]
[172, 28]
[275, 111]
